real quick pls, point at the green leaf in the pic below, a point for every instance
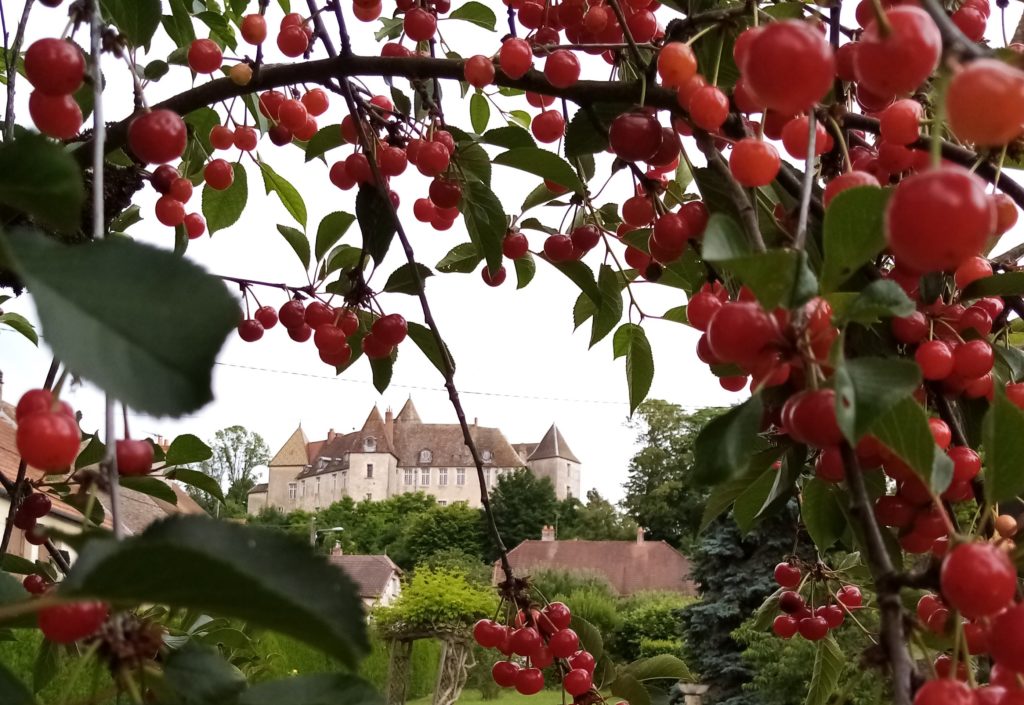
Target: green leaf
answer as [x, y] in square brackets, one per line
[821, 513]
[582, 136]
[391, 28]
[658, 667]
[542, 163]
[854, 233]
[344, 257]
[331, 229]
[150, 486]
[747, 509]
[325, 139]
[582, 276]
[127, 218]
[91, 454]
[609, 311]
[867, 387]
[904, 430]
[676, 314]
[474, 162]
[479, 112]
[520, 117]
[16, 564]
[630, 689]
[178, 24]
[723, 445]
[297, 239]
[879, 299]
[403, 279]
[155, 70]
[424, 340]
[828, 666]
[383, 368]
[590, 636]
[631, 340]
[220, 28]
[199, 480]
[464, 258]
[315, 689]
[199, 563]
[46, 665]
[477, 13]
[485, 221]
[199, 674]
[21, 325]
[13, 691]
[291, 199]
[1003, 439]
[376, 221]
[40, 178]
[725, 493]
[776, 277]
[104, 312]
[526, 268]
[186, 449]
[538, 196]
[509, 137]
[137, 20]
[222, 209]
[1006, 284]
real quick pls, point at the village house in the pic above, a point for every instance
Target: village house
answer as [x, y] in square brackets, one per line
[377, 578]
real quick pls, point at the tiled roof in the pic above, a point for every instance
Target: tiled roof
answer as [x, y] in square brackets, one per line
[294, 450]
[552, 445]
[408, 414]
[628, 565]
[369, 573]
[262, 487]
[448, 448]
[525, 450]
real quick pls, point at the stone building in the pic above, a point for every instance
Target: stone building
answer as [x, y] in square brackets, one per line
[392, 455]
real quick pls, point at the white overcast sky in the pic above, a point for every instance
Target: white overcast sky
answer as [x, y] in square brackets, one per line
[520, 365]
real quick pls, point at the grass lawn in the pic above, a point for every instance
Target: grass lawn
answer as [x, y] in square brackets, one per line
[471, 696]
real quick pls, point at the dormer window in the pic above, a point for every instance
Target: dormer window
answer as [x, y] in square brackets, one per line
[369, 444]
[321, 463]
[486, 456]
[426, 457]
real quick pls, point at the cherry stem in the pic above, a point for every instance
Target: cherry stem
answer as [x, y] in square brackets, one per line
[808, 183]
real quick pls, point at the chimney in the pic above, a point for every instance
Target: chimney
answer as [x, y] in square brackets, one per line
[1, 385]
[336, 549]
[330, 435]
[639, 534]
[389, 425]
[476, 421]
[547, 533]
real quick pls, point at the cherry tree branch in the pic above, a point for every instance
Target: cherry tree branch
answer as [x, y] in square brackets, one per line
[11, 58]
[952, 38]
[739, 197]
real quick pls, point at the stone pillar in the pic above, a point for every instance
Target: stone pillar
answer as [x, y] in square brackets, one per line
[693, 693]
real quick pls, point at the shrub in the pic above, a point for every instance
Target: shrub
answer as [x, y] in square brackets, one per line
[436, 599]
[551, 582]
[652, 617]
[595, 606]
[654, 647]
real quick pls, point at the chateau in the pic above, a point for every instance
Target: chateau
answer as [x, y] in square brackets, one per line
[391, 455]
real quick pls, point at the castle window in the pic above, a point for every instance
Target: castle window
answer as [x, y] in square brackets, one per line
[408, 476]
[369, 444]
[442, 477]
[369, 471]
[442, 503]
[568, 491]
[292, 490]
[487, 456]
[460, 476]
[302, 489]
[425, 476]
[318, 487]
[321, 463]
[426, 457]
[369, 496]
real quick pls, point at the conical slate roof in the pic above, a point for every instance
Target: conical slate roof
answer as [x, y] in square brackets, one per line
[408, 414]
[553, 445]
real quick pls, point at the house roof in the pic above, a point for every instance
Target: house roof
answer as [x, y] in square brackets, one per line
[408, 414]
[448, 448]
[552, 445]
[294, 451]
[525, 450]
[629, 566]
[260, 488]
[370, 573]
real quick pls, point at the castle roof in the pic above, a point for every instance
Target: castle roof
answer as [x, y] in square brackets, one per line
[408, 414]
[552, 445]
[294, 450]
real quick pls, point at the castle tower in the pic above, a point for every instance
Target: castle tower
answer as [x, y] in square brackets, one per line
[292, 459]
[554, 459]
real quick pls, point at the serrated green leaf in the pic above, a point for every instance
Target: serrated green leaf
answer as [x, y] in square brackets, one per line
[485, 221]
[867, 387]
[828, 666]
[325, 139]
[103, 309]
[222, 209]
[464, 258]
[853, 233]
[186, 449]
[425, 341]
[538, 196]
[391, 27]
[298, 242]
[376, 221]
[724, 443]
[137, 20]
[882, 298]
[631, 340]
[509, 137]
[474, 162]
[404, 279]
[220, 29]
[520, 117]
[609, 311]
[582, 276]
[542, 163]
[1003, 439]
[291, 199]
[150, 486]
[479, 112]
[904, 430]
[526, 268]
[725, 493]
[20, 324]
[41, 179]
[477, 13]
[676, 314]
[821, 513]
[332, 228]
[383, 368]
[199, 480]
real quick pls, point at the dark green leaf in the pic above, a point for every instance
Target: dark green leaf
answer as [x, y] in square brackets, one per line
[1003, 438]
[854, 233]
[828, 666]
[127, 218]
[904, 430]
[747, 509]
[199, 480]
[526, 268]
[332, 228]
[479, 112]
[867, 387]
[150, 486]
[582, 276]
[819, 509]
[477, 13]
[1006, 284]
[222, 209]
[316, 689]
[103, 308]
[46, 665]
[627, 687]
[609, 311]
[91, 454]
[344, 257]
[474, 161]
[199, 563]
[94, 510]
[391, 27]
[542, 163]
[13, 691]
[631, 340]
[376, 221]
[424, 340]
[383, 368]
[178, 24]
[404, 279]
[590, 636]
[464, 258]
[1010, 358]
[509, 137]
[325, 139]
[725, 442]
[658, 667]
[583, 136]
[879, 299]
[16, 564]
[137, 20]
[725, 493]
[299, 244]
[291, 199]
[676, 314]
[186, 449]
[220, 28]
[538, 196]
[199, 675]
[21, 325]
[43, 180]
[485, 221]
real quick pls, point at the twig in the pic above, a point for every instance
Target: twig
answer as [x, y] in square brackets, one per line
[12, 70]
[954, 40]
[633, 48]
[886, 579]
[808, 184]
[746, 210]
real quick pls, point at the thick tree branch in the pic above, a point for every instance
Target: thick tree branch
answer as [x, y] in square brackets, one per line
[952, 38]
[887, 581]
[746, 209]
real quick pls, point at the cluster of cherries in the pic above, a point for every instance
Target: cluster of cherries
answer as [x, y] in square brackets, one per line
[56, 69]
[330, 329]
[810, 622]
[541, 639]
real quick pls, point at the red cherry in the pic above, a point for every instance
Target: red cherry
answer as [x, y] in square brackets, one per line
[966, 463]
[134, 457]
[813, 628]
[784, 626]
[219, 174]
[504, 673]
[978, 579]
[318, 313]
[292, 41]
[495, 279]
[64, 624]
[851, 179]
[316, 101]
[940, 432]
[204, 56]
[739, 331]
[973, 359]
[829, 466]
[894, 511]
[36, 505]
[292, 114]
[525, 641]
[420, 25]
[677, 64]
[48, 440]
[445, 193]
[635, 136]
[701, 308]
[488, 633]
[832, 614]
[348, 321]
[254, 29]
[563, 643]
[515, 245]
[169, 211]
[515, 57]
[791, 602]
[583, 660]
[180, 190]
[269, 103]
[559, 615]
[548, 127]
[301, 333]
[850, 596]
[292, 314]
[787, 575]
[900, 122]
[390, 329]
[376, 349]
[562, 68]
[754, 162]
[55, 67]
[267, 316]
[34, 401]
[896, 59]
[250, 330]
[1006, 642]
[55, 116]
[577, 682]
[585, 237]
[935, 359]
[529, 681]
[709, 107]
[433, 159]
[789, 65]
[35, 584]
[479, 71]
[811, 418]
[944, 692]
